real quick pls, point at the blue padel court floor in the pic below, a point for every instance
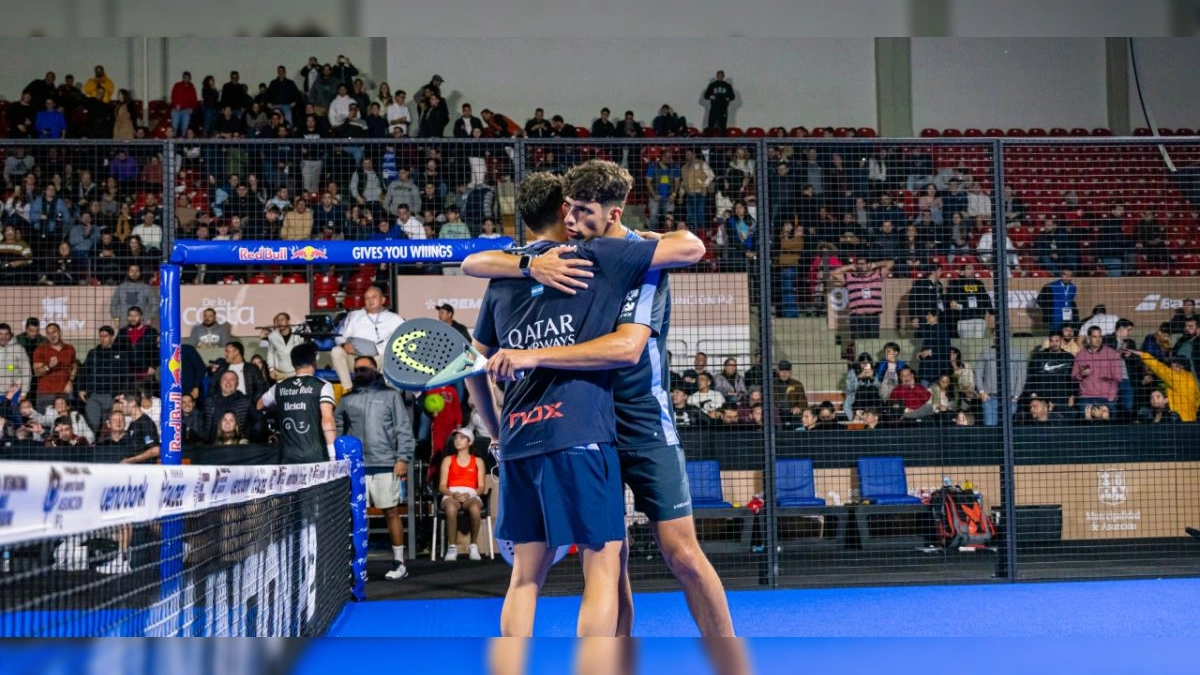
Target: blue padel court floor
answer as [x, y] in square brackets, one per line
[1134, 608]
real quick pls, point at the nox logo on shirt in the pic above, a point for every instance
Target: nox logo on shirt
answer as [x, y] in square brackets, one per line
[551, 332]
[539, 413]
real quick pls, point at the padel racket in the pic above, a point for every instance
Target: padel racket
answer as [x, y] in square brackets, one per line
[426, 353]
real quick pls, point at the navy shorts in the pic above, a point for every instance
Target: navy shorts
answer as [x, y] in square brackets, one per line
[658, 478]
[571, 496]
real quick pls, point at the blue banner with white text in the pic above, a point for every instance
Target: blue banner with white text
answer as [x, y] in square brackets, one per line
[197, 252]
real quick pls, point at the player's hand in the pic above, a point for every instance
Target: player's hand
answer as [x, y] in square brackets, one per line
[505, 364]
[561, 274]
[400, 469]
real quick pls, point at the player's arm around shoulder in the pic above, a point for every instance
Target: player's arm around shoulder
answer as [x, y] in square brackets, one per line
[678, 248]
[551, 268]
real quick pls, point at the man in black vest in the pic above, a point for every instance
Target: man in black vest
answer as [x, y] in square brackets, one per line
[303, 406]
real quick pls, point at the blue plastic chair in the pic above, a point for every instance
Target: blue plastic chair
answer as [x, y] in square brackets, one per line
[794, 484]
[704, 478]
[882, 481]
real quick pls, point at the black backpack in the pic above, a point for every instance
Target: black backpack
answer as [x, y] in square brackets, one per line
[960, 518]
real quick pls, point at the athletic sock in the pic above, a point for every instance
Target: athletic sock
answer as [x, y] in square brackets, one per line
[398, 553]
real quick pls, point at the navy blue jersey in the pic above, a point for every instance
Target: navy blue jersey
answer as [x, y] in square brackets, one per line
[643, 408]
[552, 409]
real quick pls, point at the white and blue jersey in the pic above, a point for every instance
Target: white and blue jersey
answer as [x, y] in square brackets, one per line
[640, 392]
[552, 409]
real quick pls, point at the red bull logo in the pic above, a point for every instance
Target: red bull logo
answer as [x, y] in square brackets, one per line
[309, 253]
[262, 254]
[175, 366]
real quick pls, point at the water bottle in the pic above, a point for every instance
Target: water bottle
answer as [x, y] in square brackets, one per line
[7, 565]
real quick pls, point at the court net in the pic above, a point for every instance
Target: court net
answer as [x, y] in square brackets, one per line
[118, 550]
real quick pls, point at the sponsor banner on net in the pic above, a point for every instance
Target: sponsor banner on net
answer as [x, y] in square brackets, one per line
[46, 499]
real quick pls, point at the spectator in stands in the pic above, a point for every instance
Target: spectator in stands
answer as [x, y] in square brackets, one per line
[1050, 373]
[497, 125]
[729, 382]
[366, 186]
[705, 398]
[602, 126]
[397, 114]
[280, 341]
[945, 399]
[1110, 244]
[100, 86]
[150, 233]
[115, 437]
[861, 387]
[228, 432]
[183, 102]
[1158, 343]
[691, 376]
[64, 435]
[719, 95]
[227, 400]
[788, 394]
[58, 411]
[17, 165]
[669, 123]
[986, 247]
[1097, 413]
[1180, 318]
[935, 347]
[927, 293]
[1100, 317]
[51, 218]
[14, 363]
[339, 107]
[809, 420]
[138, 342]
[1055, 248]
[16, 258]
[1188, 345]
[970, 304]
[696, 181]
[786, 264]
[445, 314]
[63, 269]
[914, 258]
[1014, 207]
[364, 332]
[1182, 389]
[102, 377]
[404, 191]
[283, 93]
[209, 333]
[1159, 411]
[1042, 411]
[434, 118]
[210, 107]
[54, 364]
[1057, 300]
[1151, 239]
[560, 129]
[42, 89]
[1098, 370]
[345, 71]
[686, 414]
[979, 201]
[132, 292]
[864, 285]
[234, 95]
[461, 482]
[663, 184]
[489, 229]
[887, 373]
[912, 395]
[453, 228]
[124, 119]
[251, 380]
[141, 429]
[124, 168]
[298, 223]
[50, 122]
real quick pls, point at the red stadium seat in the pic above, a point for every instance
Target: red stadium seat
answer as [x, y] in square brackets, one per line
[798, 132]
[1079, 131]
[693, 132]
[325, 284]
[648, 132]
[1163, 131]
[1015, 132]
[755, 132]
[930, 133]
[951, 133]
[1142, 131]
[973, 132]
[1101, 131]
[293, 278]
[582, 132]
[260, 278]
[1185, 131]
[324, 301]
[734, 132]
[353, 302]
[1059, 131]
[1036, 131]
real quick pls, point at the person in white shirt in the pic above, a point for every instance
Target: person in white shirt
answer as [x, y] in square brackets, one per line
[364, 330]
[398, 114]
[488, 229]
[986, 247]
[705, 398]
[412, 226]
[339, 107]
[279, 347]
[149, 232]
[979, 202]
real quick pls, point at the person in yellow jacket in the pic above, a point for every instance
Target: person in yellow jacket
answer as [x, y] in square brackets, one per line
[1183, 392]
[100, 86]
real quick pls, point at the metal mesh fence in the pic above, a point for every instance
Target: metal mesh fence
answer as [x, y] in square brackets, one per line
[834, 264]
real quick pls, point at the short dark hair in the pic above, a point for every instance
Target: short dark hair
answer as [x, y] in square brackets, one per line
[108, 330]
[135, 308]
[539, 200]
[32, 321]
[1124, 323]
[598, 180]
[4, 326]
[241, 349]
[1095, 329]
[605, 110]
[304, 354]
[556, 118]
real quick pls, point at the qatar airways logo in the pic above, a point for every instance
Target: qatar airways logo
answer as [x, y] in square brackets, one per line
[552, 332]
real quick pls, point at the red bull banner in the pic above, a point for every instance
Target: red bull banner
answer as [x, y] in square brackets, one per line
[171, 382]
[193, 252]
